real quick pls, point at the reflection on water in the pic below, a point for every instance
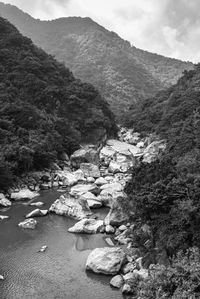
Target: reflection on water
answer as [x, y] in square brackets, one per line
[57, 273]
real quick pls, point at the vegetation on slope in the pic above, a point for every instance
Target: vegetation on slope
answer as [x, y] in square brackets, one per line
[44, 110]
[123, 74]
[166, 193]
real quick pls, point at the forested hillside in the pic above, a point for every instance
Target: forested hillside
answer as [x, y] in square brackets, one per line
[44, 110]
[166, 193]
[121, 72]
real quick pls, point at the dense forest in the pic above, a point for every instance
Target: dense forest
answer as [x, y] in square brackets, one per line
[44, 110]
[122, 73]
[166, 193]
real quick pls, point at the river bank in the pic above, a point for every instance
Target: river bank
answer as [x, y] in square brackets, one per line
[91, 179]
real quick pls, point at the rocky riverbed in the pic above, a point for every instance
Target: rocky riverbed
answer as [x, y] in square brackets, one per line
[90, 180]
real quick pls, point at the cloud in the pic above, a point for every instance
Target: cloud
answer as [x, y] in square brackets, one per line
[168, 27]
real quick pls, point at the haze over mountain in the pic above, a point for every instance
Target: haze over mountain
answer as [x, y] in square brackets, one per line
[123, 74]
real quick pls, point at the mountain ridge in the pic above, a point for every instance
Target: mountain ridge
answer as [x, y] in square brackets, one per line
[122, 73]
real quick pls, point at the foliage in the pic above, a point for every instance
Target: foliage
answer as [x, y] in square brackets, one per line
[180, 280]
[166, 192]
[123, 73]
[44, 110]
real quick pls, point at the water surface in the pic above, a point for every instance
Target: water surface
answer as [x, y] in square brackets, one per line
[57, 273]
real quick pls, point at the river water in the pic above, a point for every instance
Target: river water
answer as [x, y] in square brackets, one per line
[59, 272]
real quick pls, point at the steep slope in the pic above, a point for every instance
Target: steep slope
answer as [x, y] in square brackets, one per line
[44, 110]
[166, 192]
[122, 73]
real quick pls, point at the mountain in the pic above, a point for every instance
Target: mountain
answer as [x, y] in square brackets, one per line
[44, 110]
[166, 192]
[122, 73]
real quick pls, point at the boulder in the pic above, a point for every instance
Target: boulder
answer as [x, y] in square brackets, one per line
[24, 194]
[109, 229]
[107, 197]
[90, 170]
[1, 277]
[94, 204]
[37, 204]
[122, 147]
[43, 248]
[28, 223]
[119, 212]
[84, 155]
[91, 199]
[101, 181]
[106, 260]
[68, 178]
[117, 281]
[90, 180]
[88, 226]
[122, 228]
[79, 175]
[2, 217]
[37, 213]
[112, 187]
[4, 202]
[129, 267]
[116, 167]
[69, 206]
[126, 289]
[80, 189]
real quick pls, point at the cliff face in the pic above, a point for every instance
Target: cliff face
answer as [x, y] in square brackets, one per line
[122, 73]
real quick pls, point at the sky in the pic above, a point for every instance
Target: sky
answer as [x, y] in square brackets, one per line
[167, 27]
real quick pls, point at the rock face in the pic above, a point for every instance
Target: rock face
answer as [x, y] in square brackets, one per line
[90, 170]
[28, 223]
[24, 194]
[69, 206]
[37, 213]
[4, 202]
[118, 213]
[105, 260]
[84, 155]
[88, 226]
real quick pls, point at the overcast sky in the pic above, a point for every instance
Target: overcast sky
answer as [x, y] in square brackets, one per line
[168, 27]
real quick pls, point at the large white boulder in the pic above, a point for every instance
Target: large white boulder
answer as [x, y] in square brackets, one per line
[90, 170]
[70, 206]
[4, 202]
[80, 189]
[123, 147]
[24, 194]
[28, 223]
[92, 200]
[106, 260]
[101, 181]
[68, 178]
[84, 155]
[88, 226]
[37, 213]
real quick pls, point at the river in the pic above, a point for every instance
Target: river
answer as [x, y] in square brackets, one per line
[59, 272]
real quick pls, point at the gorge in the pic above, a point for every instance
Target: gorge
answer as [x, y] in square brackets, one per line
[88, 207]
